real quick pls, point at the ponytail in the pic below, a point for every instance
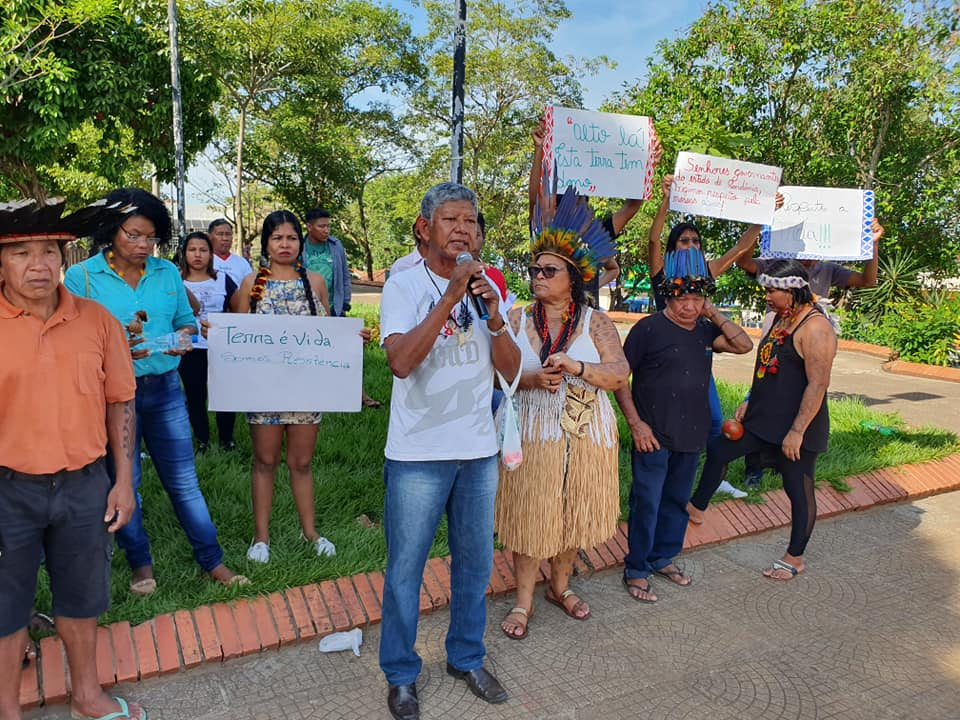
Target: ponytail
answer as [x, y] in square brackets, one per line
[307, 290]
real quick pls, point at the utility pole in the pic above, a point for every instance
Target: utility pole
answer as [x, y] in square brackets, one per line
[177, 121]
[459, 71]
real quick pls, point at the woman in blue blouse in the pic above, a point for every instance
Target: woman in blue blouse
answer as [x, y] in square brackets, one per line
[146, 294]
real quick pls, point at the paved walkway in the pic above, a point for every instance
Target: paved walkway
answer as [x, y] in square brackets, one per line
[871, 631]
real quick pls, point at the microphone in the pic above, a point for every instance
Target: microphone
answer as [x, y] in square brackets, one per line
[478, 304]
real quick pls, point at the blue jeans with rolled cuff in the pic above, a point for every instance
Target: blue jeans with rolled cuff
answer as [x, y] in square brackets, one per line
[164, 426]
[662, 482]
[417, 495]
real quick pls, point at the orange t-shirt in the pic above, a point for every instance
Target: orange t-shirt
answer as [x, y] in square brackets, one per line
[56, 378]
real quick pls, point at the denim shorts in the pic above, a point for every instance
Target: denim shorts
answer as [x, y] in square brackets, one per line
[58, 517]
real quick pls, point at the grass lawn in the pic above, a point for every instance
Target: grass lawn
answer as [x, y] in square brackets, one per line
[348, 471]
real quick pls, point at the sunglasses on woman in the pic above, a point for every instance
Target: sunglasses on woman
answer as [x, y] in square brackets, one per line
[548, 271]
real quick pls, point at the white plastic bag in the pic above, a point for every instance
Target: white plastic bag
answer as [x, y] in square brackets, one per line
[511, 450]
[343, 641]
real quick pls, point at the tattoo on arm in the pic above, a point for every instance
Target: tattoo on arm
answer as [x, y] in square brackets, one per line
[612, 371]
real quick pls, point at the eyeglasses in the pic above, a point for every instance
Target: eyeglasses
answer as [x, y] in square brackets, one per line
[134, 238]
[548, 271]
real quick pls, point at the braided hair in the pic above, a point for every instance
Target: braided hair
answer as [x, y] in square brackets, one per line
[271, 223]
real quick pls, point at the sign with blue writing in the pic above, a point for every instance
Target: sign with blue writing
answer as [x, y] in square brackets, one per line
[599, 154]
[817, 223]
[724, 188]
[281, 363]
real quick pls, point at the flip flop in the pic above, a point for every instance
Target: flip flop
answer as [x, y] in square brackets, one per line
[526, 626]
[674, 576]
[371, 403]
[648, 589]
[571, 612]
[786, 567]
[143, 588]
[122, 714]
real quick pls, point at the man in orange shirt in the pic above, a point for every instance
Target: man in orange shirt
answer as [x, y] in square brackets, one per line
[67, 386]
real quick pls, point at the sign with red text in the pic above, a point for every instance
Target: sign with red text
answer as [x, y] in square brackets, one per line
[599, 154]
[817, 223]
[284, 363]
[723, 188]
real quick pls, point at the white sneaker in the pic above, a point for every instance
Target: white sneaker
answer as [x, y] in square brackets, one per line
[324, 547]
[259, 552]
[726, 487]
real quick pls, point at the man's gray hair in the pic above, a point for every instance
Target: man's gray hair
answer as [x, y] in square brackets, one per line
[443, 193]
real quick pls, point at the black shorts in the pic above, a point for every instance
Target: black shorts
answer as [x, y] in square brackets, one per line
[59, 516]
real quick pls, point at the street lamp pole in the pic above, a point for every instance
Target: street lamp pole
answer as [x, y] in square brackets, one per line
[459, 71]
[177, 120]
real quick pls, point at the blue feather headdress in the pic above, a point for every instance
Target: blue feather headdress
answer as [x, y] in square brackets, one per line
[570, 230]
[684, 272]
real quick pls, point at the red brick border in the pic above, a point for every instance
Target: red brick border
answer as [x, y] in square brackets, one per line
[223, 631]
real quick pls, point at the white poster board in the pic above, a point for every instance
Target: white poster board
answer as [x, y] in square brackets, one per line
[817, 223]
[599, 154]
[276, 363]
[723, 188]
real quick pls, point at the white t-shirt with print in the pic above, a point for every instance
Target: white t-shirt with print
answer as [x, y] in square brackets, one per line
[211, 294]
[441, 410]
[236, 266]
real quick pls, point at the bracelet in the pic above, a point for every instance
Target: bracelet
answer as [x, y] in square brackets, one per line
[582, 369]
[499, 331]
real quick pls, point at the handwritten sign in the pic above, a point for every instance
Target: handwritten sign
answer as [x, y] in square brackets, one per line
[817, 223]
[724, 188]
[599, 154]
[275, 363]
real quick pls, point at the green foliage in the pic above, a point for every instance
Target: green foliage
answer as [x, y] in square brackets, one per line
[112, 73]
[920, 331]
[852, 93]
[897, 282]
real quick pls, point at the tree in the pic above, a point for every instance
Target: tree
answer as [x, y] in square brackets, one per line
[111, 85]
[853, 93]
[511, 73]
[290, 70]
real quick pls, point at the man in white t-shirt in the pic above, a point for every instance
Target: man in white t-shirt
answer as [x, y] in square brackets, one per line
[441, 453]
[221, 237]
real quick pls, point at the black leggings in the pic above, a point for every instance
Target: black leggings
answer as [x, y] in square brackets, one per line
[797, 482]
[193, 373]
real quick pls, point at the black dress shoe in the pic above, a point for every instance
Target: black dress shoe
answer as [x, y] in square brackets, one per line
[481, 683]
[403, 703]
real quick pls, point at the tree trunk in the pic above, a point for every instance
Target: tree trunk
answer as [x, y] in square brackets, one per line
[364, 234]
[240, 233]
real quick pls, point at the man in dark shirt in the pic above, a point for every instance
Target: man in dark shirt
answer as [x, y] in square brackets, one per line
[670, 355]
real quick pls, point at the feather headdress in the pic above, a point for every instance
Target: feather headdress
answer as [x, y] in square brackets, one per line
[570, 230]
[23, 220]
[685, 271]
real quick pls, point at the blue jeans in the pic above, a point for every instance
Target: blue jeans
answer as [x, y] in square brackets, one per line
[716, 412]
[662, 481]
[417, 495]
[163, 424]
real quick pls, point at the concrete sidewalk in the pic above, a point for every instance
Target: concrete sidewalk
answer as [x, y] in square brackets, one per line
[871, 631]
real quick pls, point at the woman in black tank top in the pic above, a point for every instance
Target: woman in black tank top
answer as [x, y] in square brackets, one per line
[786, 411]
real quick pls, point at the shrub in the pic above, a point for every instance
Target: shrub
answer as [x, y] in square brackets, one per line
[921, 331]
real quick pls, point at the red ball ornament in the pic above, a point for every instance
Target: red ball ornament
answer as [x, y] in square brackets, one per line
[732, 429]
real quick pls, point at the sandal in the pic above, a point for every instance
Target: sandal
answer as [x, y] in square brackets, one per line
[634, 590]
[675, 576]
[371, 403]
[559, 602]
[525, 628]
[783, 566]
[122, 714]
[143, 588]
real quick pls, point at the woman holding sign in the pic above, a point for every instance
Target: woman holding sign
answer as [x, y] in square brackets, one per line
[283, 286]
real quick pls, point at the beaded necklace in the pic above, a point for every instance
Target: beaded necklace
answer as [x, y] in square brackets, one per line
[463, 326]
[767, 356]
[143, 270]
[570, 318]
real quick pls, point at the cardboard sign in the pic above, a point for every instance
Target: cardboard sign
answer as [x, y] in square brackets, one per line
[599, 154]
[724, 188]
[817, 223]
[276, 363]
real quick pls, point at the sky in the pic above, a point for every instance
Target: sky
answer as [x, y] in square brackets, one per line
[626, 31]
